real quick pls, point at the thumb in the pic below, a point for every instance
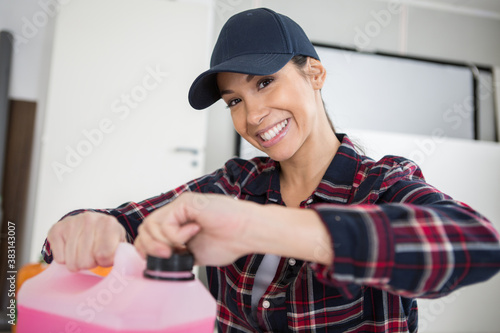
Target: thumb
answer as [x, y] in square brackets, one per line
[186, 232]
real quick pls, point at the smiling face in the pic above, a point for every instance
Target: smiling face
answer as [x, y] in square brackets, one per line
[279, 114]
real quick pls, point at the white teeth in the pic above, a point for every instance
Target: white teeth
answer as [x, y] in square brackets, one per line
[271, 133]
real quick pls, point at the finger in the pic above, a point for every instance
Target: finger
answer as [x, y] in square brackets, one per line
[84, 257]
[106, 241]
[145, 245]
[138, 246]
[72, 240]
[180, 235]
[57, 243]
[153, 229]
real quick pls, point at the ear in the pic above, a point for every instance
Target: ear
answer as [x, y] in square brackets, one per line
[316, 72]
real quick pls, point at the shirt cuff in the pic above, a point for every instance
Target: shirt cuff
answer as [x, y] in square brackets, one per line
[362, 246]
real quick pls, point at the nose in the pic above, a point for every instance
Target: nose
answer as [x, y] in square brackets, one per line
[256, 111]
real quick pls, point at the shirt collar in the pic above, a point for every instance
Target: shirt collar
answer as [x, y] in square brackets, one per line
[335, 186]
[337, 182]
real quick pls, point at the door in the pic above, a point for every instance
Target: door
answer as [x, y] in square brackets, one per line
[118, 126]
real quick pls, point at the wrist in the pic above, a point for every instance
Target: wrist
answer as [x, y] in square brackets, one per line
[288, 232]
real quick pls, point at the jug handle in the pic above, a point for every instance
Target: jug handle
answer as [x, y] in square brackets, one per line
[127, 262]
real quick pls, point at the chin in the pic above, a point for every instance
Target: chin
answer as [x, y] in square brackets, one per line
[280, 157]
[277, 154]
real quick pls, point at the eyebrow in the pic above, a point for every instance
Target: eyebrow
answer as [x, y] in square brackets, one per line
[225, 92]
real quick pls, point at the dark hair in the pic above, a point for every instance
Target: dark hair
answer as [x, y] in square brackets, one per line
[300, 61]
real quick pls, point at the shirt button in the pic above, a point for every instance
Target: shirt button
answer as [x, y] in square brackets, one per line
[292, 262]
[266, 304]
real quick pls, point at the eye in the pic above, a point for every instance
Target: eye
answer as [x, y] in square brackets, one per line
[233, 102]
[264, 83]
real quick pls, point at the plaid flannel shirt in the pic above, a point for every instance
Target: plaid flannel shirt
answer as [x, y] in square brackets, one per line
[394, 238]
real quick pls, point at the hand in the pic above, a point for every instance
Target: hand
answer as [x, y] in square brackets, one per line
[212, 226]
[86, 240]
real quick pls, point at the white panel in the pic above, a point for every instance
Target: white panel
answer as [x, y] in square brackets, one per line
[496, 98]
[373, 92]
[468, 171]
[361, 24]
[31, 23]
[486, 101]
[451, 36]
[117, 105]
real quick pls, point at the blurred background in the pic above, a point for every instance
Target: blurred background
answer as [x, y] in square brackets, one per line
[94, 111]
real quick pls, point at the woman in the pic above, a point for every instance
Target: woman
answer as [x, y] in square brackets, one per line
[372, 237]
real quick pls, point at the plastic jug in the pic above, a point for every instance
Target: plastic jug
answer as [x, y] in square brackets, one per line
[164, 298]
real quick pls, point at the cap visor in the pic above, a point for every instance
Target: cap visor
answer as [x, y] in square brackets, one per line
[204, 91]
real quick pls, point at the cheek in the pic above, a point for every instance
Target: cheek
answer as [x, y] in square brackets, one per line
[295, 95]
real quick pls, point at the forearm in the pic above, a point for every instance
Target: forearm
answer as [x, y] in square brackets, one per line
[289, 232]
[410, 250]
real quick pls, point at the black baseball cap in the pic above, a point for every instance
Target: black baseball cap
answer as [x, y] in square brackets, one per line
[256, 42]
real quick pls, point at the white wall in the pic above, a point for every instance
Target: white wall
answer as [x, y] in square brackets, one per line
[117, 113]
[32, 22]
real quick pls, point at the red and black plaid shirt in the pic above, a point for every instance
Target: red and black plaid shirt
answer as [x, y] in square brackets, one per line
[395, 238]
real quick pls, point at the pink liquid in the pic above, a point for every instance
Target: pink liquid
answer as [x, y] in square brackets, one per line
[60, 301]
[43, 322]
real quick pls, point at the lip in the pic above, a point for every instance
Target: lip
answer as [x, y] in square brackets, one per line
[277, 138]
